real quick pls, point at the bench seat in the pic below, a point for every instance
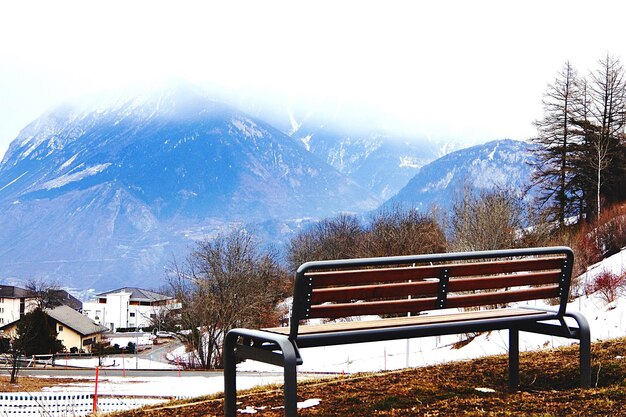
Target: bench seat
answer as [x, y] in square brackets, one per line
[422, 319]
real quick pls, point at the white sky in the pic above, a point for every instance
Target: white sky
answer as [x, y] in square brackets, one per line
[458, 70]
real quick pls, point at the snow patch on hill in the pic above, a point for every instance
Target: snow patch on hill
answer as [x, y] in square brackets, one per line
[73, 177]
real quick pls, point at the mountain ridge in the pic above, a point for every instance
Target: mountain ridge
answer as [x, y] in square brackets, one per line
[98, 195]
[498, 164]
[103, 186]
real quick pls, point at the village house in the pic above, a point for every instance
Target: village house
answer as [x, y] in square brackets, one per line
[130, 308]
[74, 330]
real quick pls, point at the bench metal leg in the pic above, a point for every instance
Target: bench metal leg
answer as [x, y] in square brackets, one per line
[585, 347]
[291, 385]
[513, 359]
[582, 333]
[230, 376]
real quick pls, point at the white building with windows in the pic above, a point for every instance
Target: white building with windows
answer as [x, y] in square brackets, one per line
[16, 301]
[129, 308]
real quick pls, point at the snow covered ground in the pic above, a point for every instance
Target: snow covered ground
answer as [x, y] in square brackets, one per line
[606, 321]
[168, 386]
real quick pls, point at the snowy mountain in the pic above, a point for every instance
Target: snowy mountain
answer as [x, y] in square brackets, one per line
[502, 164]
[375, 153]
[103, 193]
[379, 162]
[108, 191]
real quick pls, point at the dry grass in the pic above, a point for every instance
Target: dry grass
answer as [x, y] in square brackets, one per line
[549, 388]
[34, 384]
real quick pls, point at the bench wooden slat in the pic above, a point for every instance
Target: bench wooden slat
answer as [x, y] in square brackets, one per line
[502, 297]
[430, 288]
[519, 280]
[409, 321]
[333, 311]
[369, 292]
[368, 276]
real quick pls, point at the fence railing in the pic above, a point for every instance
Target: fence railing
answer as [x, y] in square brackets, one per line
[58, 404]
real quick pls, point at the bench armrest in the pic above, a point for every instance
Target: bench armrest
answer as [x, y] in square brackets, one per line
[261, 345]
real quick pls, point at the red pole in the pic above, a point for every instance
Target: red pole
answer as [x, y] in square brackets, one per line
[65, 360]
[95, 394]
[123, 364]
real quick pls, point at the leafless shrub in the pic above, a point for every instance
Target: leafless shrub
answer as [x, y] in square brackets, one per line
[225, 283]
[608, 285]
[399, 231]
[484, 221]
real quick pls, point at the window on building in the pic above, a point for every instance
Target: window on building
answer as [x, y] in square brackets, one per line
[1, 300]
[60, 328]
[1, 309]
[1, 319]
[132, 314]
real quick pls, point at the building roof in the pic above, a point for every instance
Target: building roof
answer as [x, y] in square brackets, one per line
[64, 297]
[138, 294]
[9, 291]
[68, 299]
[71, 318]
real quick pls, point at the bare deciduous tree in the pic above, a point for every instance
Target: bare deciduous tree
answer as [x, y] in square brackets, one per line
[335, 238]
[393, 231]
[225, 283]
[581, 137]
[484, 221]
[607, 110]
[399, 231]
[44, 294]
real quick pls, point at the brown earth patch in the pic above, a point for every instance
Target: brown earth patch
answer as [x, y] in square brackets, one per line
[549, 388]
[34, 384]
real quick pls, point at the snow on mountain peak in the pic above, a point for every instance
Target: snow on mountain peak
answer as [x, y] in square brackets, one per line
[248, 128]
[492, 153]
[409, 162]
[306, 140]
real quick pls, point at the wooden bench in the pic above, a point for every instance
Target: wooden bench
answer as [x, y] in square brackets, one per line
[476, 289]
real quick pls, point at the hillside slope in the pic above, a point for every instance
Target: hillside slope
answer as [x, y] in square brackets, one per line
[500, 164]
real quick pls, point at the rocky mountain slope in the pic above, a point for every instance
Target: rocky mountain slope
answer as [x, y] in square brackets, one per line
[500, 164]
[380, 162]
[101, 194]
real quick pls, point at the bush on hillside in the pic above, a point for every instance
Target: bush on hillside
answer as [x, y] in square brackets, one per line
[391, 231]
[400, 231]
[604, 237]
[608, 285]
[486, 220]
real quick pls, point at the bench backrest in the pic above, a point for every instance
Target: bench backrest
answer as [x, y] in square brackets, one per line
[413, 284]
